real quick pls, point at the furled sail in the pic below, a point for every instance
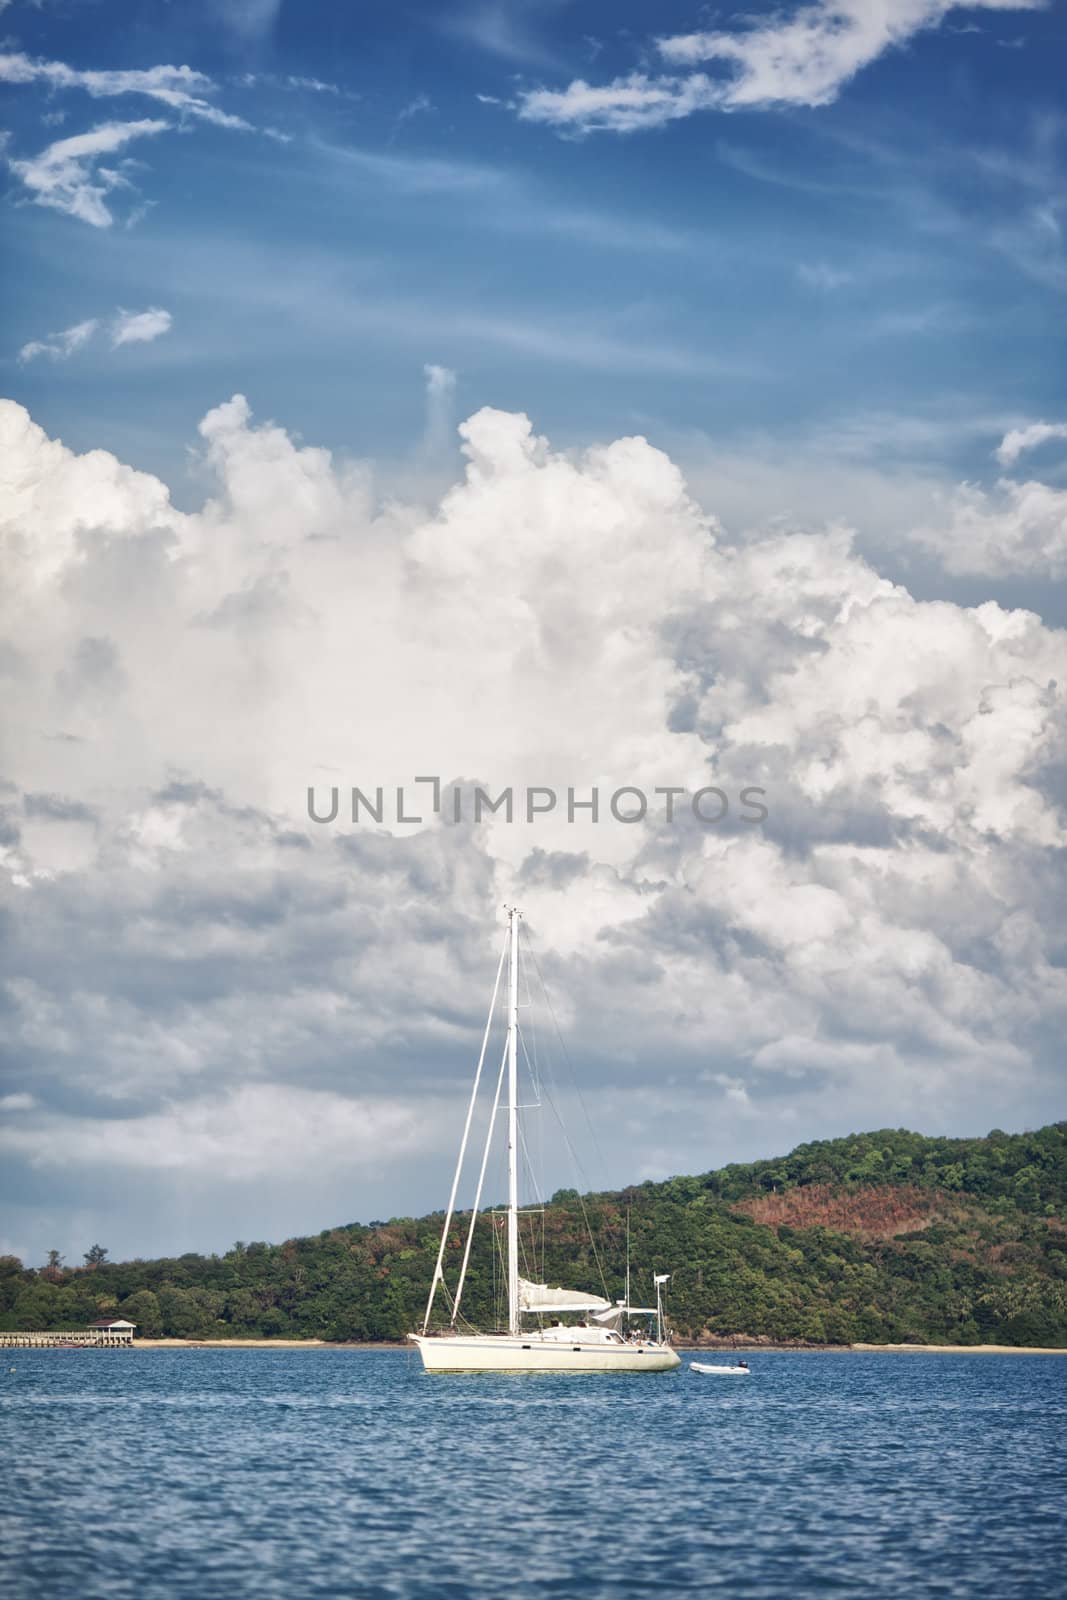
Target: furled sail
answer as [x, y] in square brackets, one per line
[535, 1297]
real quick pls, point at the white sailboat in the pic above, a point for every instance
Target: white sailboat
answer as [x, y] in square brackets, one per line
[536, 1339]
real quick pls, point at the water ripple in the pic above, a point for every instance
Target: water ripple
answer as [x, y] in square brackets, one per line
[348, 1475]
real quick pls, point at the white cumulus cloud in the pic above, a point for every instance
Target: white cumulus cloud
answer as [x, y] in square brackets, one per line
[1014, 528]
[188, 947]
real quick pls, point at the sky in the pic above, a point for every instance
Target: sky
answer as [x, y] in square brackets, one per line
[526, 394]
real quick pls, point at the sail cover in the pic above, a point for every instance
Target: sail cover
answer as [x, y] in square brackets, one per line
[539, 1297]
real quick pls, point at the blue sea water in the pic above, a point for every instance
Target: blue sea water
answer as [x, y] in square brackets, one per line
[196, 1474]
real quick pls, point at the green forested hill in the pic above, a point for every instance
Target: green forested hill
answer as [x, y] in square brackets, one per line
[881, 1237]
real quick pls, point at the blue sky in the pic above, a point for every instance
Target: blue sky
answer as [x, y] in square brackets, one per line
[733, 269]
[523, 393]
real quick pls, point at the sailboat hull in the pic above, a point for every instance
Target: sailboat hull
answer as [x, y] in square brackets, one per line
[561, 1346]
[491, 1353]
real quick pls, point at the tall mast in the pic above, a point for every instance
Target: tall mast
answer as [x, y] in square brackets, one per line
[514, 1320]
[627, 1255]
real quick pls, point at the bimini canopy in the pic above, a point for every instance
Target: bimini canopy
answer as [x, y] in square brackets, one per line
[536, 1297]
[619, 1310]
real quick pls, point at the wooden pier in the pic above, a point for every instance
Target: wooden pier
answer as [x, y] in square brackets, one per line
[93, 1339]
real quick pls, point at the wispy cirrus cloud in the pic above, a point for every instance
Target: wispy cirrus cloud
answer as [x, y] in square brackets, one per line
[520, 205]
[1017, 440]
[807, 59]
[804, 59]
[69, 176]
[248, 19]
[626, 105]
[313, 85]
[439, 434]
[415, 174]
[140, 327]
[1022, 217]
[181, 89]
[58, 346]
[506, 29]
[820, 275]
[291, 80]
[125, 327]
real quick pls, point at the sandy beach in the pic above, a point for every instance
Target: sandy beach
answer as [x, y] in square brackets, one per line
[325, 1344]
[262, 1344]
[968, 1349]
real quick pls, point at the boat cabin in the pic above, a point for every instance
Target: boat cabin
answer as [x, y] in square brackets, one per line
[583, 1333]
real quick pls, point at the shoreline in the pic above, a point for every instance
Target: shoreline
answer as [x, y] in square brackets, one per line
[964, 1349]
[267, 1344]
[683, 1349]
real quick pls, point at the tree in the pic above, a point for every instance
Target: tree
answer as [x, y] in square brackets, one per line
[42, 1306]
[53, 1267]
[143, 1308]
[13, 1277]
[877, 1237]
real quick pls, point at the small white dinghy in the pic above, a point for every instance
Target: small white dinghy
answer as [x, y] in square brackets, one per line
[719, 1372]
